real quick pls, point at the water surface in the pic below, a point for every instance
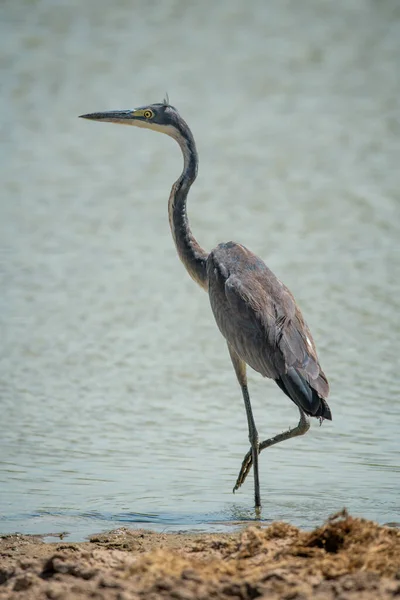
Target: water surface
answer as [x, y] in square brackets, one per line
[118, 401]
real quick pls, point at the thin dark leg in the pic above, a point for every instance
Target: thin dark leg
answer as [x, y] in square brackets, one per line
[302, 428]
[240, 370]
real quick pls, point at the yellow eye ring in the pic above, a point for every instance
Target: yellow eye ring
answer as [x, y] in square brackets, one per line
[148, 114]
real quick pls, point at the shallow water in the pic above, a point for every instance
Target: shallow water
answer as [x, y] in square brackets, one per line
[118, 401]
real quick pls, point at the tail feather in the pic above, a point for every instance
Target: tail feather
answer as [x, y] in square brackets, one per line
[302, 394]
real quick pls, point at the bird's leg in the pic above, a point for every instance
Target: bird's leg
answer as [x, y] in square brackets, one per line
[301, 428]
[240, 370]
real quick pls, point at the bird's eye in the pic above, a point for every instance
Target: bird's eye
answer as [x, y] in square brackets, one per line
[148, 114]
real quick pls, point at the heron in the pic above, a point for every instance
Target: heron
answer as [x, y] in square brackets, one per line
[255, 312]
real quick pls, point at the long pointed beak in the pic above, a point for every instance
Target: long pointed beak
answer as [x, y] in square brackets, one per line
[119, 116]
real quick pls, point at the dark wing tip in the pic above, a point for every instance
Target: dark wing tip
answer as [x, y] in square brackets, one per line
[325, 412]
[301, 392]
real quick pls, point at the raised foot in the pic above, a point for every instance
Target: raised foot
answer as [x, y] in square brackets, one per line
[300, 429]
[244, 471]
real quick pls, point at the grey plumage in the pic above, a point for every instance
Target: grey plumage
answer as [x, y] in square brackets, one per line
[258, 316]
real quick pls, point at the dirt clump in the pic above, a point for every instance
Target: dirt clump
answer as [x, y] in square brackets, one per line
[345, 559]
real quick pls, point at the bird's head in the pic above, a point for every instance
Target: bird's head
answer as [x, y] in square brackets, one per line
[160, 117]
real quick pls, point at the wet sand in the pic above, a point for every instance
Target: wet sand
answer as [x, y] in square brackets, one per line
[346, 558]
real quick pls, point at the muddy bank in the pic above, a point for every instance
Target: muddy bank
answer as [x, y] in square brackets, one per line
[346, 559]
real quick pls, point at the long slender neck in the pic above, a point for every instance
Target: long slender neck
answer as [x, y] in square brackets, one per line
[190, 252]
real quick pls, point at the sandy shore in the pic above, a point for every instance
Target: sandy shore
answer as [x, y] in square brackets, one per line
[346, 558]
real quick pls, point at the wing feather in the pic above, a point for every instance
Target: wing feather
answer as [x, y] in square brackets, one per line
[259, 317]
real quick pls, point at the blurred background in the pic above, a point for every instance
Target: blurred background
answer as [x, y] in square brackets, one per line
[118, 401]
